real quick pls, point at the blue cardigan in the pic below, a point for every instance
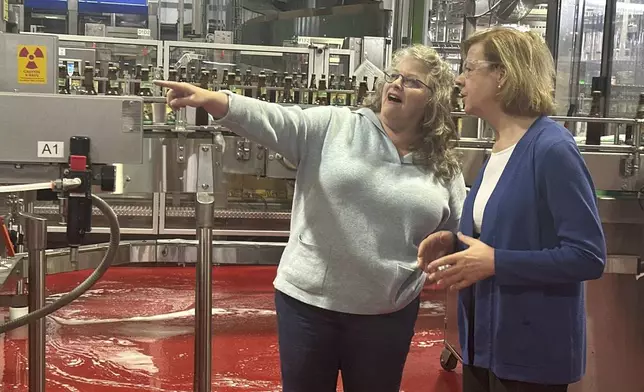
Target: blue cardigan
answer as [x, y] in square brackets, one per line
[542, 220]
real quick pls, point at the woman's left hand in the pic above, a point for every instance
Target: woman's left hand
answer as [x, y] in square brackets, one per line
[462, 269]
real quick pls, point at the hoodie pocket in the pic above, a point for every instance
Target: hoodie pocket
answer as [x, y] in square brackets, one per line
[307, 267]
[407, 282]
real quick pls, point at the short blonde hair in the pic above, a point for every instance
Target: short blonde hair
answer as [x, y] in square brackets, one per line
[528, 84]
[436, 150]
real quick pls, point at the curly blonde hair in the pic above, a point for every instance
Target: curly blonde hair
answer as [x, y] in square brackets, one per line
[436, 149]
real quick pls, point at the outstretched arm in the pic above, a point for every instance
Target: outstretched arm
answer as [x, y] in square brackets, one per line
[287, 130]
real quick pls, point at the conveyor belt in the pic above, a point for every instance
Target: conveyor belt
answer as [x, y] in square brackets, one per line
[176, 212]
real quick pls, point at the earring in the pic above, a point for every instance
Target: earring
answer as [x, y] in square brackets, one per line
[499, 87]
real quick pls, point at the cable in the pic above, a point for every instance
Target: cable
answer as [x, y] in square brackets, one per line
[63, 184]
[26, 187]
[115, 233]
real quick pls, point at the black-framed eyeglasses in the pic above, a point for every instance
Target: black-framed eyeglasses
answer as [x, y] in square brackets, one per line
[406, 82]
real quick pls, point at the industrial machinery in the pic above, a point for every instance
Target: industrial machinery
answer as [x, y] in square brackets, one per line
[150, 199]
[178, 177]
[76, 165]
[73, 155]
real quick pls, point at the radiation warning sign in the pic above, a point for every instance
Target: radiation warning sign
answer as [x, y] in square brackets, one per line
[32, 64]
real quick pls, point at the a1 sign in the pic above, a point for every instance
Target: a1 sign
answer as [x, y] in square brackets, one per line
[51, 149]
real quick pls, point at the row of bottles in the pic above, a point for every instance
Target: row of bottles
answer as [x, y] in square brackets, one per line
[93, 83]
[117, 81]
[279, 88]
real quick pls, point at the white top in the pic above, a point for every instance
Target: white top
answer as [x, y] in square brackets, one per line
[493, 171]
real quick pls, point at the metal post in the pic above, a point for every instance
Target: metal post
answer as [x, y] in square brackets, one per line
[553, 20]
[204, 213]
[427, 9]
[4, 15]
[36, 238]
[637, 141]
[199, 8]
[575, 100]
[153, 22]
[72, 15]
[399, 9]
[608, 52]
[180, 21]
[470, 126]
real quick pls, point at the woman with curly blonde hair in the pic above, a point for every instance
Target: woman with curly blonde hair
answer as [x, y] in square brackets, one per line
[371, 185]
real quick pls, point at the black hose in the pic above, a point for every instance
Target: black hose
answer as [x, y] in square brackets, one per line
[115, 234]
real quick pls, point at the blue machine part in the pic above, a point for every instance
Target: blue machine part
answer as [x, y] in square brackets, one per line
[50, 5]
[93, 6]
[113, 6]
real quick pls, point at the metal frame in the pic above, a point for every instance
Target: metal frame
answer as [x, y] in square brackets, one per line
[168, 45]
[553, 24]
[619, 165]
[608, 52]
[161, 213]
[343, 52]
[180, 251]
[154, 230]
[111, 40]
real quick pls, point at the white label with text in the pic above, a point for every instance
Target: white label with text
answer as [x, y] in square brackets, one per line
[51, 149]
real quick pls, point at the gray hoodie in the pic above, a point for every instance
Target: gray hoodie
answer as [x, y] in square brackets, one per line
[359, 209]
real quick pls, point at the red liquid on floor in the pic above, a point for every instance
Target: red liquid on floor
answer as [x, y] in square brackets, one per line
[133, 331]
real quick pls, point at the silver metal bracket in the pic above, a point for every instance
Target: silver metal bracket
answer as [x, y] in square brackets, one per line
[260, 161]
[626, 166]
[283, 161]
[243, 149]
[221, 193]
[181, 147]
[205, 171]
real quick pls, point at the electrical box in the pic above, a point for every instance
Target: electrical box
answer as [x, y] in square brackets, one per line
[36, 128]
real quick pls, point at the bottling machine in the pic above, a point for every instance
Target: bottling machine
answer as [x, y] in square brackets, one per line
[177, 184]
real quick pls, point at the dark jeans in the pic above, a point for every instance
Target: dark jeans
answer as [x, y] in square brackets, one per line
[476, 379]
[315, 344]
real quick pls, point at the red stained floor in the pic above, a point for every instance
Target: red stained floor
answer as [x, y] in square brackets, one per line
[133, 332]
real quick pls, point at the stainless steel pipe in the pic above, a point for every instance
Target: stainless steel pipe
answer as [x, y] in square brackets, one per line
[36, 238]
[203, 294]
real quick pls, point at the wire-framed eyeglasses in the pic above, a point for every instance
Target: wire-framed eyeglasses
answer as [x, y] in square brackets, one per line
[472, 65]
[406, 82]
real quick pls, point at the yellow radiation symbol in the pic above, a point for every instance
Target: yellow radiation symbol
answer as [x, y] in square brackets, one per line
[32, 64]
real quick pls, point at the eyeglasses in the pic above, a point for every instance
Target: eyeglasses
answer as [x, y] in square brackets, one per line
[406, 82]
[473, 65]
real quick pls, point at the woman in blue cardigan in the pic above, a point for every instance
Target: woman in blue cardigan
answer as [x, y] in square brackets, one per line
[530, 233]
